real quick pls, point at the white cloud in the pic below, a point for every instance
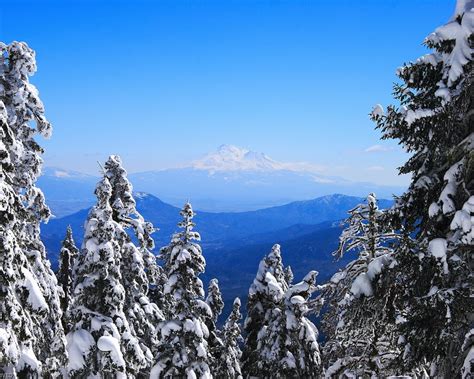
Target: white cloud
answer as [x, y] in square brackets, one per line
[378, 149]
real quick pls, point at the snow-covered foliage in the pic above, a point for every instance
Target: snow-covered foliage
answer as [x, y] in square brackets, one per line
[214, 299]
[138, 265]
[227, 363]
[281, 341]
[32, 342]
[265, 293]
[216, 346]
[111, 316]
[434, 123]
[183, 348]
[67, 255]
[288, 344]
[355, 343]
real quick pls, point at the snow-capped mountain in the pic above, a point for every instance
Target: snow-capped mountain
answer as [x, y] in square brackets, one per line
[234, 158]
[228, 179]
[236, 179]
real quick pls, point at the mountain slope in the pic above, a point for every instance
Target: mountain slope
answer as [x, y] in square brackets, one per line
[219, 229]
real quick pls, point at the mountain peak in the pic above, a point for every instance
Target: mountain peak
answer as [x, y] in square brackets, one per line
[234, 158]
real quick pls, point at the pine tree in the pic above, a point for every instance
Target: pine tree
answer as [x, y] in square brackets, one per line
[360, 342]
[434, 123]
[32, 342]
[67, 255]
[138, 265]
[183, 348]
[100, 341]
[227, 365]
[214, 299]
[288, 275]
[216, 345]
[265, 293]
[288, 346]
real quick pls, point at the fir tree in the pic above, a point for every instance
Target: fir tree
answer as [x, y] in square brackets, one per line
[67, 255]
[183, 348]
[289, 275]
[138, 265]
[288, 346]
[216, 346]
[360, 342]
[100, 341]
[265, 293]
[214, 299]
[32, 342]
[434, 123]
[227, 365]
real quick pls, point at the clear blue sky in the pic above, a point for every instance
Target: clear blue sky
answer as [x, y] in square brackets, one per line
[163, 82]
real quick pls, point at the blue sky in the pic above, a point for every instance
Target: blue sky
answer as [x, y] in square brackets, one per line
[164, 82]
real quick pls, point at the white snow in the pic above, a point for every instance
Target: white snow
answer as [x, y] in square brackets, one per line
[79, 343]
[433, 210]
[433, 290]
[437, 247]
[169, 327]
[362, 286]
[464, 221]
[35, 296]
[28, 359]
[111, 345]
[412, 115]
[297, 300]
[233, 158]
[338, 276]
[378, 110]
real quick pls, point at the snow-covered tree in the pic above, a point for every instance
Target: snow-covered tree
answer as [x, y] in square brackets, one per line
[32, 342]
[214, 299]
[434, 122]
[183, 347]
[138, 265]
[214, 341]
[227, 362]
[287, 346]
[102, 340]
[67, 255]
[359, 340]
[265, 293]
[289, 275]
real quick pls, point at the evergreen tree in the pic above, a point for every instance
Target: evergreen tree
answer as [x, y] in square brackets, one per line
[32, 342]
[360, 342]
[214, 299]
[228, 360]
[183, 348]
[434, 123]
[217, 350]
[288, 275]
[113, 319]
[67, 255]
[288, 346]
[265, 293]
[137, 264]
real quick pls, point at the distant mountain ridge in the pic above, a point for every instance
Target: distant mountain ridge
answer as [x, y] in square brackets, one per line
[231, 179]
[217, 229]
